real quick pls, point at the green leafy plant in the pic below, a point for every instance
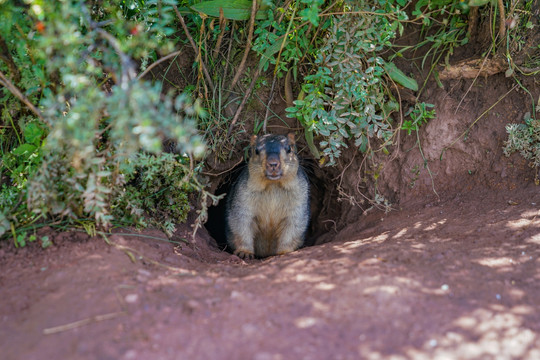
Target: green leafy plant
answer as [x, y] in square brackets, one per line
[346, 98]
[287, 40]
[89, 115]
[419, 115]
[156, 191]
[525, 139]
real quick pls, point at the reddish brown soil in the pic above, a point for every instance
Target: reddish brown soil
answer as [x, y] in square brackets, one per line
[457, 279]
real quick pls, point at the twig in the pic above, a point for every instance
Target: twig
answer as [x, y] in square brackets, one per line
[401, 120]
[244, 100]
[195, 48]
[224, 171]
[473, 82]
[227, 60]
[270, 98]
[156, 63]
[222, 27]
[502, 20]
[5, 82]
[426, 165]
[248, 45]
[76, 324]
[475, 121]
[128, 68]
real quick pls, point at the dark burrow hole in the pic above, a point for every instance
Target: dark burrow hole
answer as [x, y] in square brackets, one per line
[319, 194]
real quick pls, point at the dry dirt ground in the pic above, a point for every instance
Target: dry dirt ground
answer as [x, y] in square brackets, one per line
[456, 279]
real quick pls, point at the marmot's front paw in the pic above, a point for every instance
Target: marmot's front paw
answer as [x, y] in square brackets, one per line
[244, 254]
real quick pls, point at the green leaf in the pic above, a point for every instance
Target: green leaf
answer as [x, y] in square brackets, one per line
[23, 149]
[399, 77]
[4, 224]
[480, 2]
[232, 9]
[33, 133]
[270, 51]
[309, 140]
[45, 242]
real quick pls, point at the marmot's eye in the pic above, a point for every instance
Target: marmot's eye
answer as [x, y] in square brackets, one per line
[256, 151]
[288, 149]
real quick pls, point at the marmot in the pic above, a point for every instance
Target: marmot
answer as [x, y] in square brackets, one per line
[267, 210]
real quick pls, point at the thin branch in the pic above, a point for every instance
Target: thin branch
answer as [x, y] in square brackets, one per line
[222, 27]
[5, 82]
[76, 324]
[157, 62]
[270, 98]
[195, 48]
[128, 68]
[227, 60]
[224, 171]
[502, 20]
[240, 70]
[475, 121]
[244, 100]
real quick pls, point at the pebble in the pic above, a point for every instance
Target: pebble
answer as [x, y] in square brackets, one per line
[144, 272]
[131, 298]
[130, 354]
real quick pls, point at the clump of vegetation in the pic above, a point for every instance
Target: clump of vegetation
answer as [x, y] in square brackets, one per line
[346, 97]
[525, 139]
[156, 191]
[91, 126]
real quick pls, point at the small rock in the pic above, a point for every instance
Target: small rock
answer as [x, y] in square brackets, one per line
[131, 298]
[192, 305]
[130, 354]
[144, 272]
[236, 295]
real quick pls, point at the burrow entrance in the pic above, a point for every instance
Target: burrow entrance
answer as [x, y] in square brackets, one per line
[322, 202]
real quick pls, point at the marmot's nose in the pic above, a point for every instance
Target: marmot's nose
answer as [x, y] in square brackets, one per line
[273, 163]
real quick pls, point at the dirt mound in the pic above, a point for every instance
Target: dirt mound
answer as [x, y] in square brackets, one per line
[455, 279]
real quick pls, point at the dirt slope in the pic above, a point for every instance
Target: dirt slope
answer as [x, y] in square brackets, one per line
[457, 279]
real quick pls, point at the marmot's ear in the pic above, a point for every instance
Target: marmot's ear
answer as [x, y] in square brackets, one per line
[290, 136]
[253, 144]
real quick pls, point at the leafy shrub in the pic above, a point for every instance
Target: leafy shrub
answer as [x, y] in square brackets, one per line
[525, 139]
[97, 124]
[346, 97]
[156, 191]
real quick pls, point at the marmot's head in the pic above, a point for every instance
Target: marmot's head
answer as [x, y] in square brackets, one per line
[273, 157]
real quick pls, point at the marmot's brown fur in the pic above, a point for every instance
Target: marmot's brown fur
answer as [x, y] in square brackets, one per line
[267, 210]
